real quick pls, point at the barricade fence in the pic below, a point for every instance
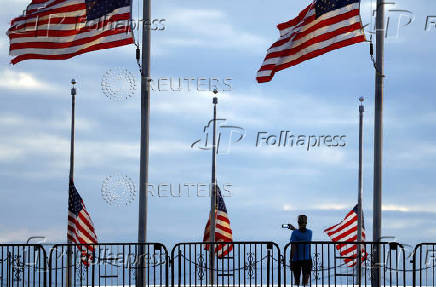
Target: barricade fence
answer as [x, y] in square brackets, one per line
[229, 264]
[223, 264]
[108, 264]
[424, 265]
[333, 264]
[23, 265]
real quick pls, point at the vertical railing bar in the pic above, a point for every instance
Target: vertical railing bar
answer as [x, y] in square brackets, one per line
[433, 264]
[268, 266]
[285, 268]
[239, 265]
[179, 275]
[207, 254]
[255, 264]
[244, 266]
[261, 265]
[328, 263]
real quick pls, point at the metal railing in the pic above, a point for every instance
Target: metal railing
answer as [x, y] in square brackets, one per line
[246, 264]
[424, 265]
[109, 264]
[23, 265]
[337, 264]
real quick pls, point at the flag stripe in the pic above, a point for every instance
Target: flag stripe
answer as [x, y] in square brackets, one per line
[310, 35]
[266, 76]
[69, 27]
[76, 44]
[346, 231]
[223, 231]
[95, 47]
[312, 20]
[349, 218]
[312, 44]
[62, 29]
[80, 228]
[334, 24]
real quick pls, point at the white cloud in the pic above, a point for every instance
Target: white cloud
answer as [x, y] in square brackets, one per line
[393, 207]
[18, 121]
[23, 234]
[408, 208]
[9, 153]
[421, 155]
[12, 80]
[209, 28]
[332, 206]
[287, 207]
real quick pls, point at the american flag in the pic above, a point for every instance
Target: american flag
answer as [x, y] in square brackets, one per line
[346, 231]
[325, 25]
[62, 29]
[80, 227]
[223, 231]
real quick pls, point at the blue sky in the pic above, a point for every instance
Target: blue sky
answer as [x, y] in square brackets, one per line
[270, 186]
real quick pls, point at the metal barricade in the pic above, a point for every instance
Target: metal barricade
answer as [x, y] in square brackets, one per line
[245, 264]
[23, 265]
[108, 264]
[424, 265]
[336, 264]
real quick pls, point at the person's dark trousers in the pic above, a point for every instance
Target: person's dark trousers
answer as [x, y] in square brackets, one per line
[301, 267]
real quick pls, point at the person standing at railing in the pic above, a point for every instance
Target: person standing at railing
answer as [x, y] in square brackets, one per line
[301, 261]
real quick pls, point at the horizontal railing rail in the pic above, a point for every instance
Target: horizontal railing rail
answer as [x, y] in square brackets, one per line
[245, 263]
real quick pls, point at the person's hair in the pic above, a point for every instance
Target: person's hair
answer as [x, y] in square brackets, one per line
[302, 222]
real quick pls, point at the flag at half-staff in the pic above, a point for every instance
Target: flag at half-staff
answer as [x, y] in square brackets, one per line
[346, 231]
[223, 231]
[80, 226]
[325, 25]
[62, 29]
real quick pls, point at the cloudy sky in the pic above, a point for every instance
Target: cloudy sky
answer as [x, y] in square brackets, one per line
[269, 185]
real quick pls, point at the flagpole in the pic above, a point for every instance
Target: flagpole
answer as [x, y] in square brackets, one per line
[213, 198]
[360, 194]
[145, 131]
[378, 142]
[71, 177]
